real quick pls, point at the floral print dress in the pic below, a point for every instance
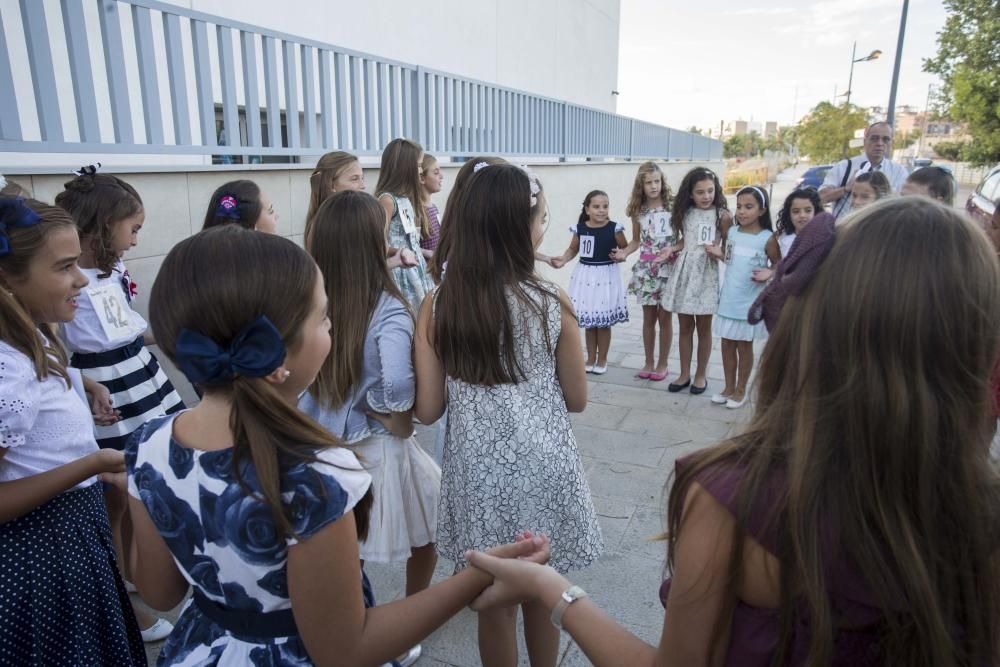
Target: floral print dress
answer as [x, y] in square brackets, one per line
[648, 277]
[224, 542]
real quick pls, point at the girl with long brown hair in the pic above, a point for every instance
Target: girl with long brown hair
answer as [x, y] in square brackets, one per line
[401, 195]
[499, 347]
[62, 599]
[854, 521]
[247, 499]
[334, 172]
[365, 389]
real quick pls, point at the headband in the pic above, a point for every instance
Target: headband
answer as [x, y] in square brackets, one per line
[796, 271]
[228, 208]
[256, 351]
[480, 165]
[763, 197]
[14, 213]
[534, 183]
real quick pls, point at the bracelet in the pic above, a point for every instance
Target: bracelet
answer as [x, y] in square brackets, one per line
[568, 597]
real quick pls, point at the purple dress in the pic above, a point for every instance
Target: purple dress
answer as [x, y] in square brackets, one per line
[431, 242]
[756, 631]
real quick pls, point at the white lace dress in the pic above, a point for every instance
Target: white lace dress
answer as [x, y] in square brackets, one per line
[511, 461]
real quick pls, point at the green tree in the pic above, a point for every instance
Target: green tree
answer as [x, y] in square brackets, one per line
[694, 130]
[825, 133]
[968, 62]
[949, 150]
[901, 140]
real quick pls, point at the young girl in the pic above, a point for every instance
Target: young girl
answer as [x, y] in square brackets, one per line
[62, 599]
[242, 203]
[699, 218]
[933, 182]
[596, 285]
[500, 348]
[107, 338]
[365, 389]
[334, 172]
[800, 207]
[836, 530]
[398, 189]
[749, 246]
[868, 188]
[431, 181]
[649, 209]
[246, 499]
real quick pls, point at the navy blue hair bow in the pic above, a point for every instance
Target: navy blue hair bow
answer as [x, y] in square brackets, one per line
[14, 213]
[255, 352]
[228, 207]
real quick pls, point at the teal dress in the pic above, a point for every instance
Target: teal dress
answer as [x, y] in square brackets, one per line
[414, 281]
[744, 252]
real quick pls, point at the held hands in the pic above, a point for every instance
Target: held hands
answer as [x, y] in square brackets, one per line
[407, 258]
[556, 262]
[668, 254]
[109, 466]
[514, 579]
[714, 250]
[618, 255]
[101, 405]
[761, 275]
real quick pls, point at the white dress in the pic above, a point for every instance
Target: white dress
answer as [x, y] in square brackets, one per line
[511, 460]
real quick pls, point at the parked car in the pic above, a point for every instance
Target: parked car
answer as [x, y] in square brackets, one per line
[813, 178]
[921, 162]
[982, 202]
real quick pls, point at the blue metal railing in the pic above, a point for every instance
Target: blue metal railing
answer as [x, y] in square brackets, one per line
[259, 92]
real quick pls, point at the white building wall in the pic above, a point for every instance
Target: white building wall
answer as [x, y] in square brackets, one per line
[566, 49]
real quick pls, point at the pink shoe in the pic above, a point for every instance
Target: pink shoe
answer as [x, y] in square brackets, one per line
[658, 377]
[644, 375]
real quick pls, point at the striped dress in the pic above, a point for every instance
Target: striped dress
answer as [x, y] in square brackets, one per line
[105, 339]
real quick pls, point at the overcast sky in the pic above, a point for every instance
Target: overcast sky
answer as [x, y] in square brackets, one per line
[684, 64]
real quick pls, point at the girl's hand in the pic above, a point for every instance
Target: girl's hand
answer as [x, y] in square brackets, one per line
[618, 255]
[556, 263]
[116, 479]
[101, 406]
[107, 461]
[514, 580]
[761, 275]
[714, 251]
[407, 258]
[665, 255]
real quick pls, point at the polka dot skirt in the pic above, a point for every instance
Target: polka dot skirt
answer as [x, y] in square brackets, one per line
[62, 601]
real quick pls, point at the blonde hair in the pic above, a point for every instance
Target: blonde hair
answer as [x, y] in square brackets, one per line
[329, 168]
[637, 199]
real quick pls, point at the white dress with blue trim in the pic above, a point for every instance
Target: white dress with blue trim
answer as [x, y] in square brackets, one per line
[596, 287]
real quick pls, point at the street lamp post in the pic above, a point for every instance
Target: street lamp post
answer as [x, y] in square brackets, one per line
[850, 80]
[899, 58]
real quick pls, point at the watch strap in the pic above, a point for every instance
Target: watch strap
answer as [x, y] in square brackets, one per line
[568, 597]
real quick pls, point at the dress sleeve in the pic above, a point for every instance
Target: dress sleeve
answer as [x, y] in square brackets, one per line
[619, 228]
[574, 230]
[20, 392]
[394, 342]
[321, 492]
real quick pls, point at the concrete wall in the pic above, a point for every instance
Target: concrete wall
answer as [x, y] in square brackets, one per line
[176, 202]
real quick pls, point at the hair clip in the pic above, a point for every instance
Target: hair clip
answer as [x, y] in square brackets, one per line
[256, 351]
[88, 170]
[14, 213]
[228, 208]
[479, 166]
[533, 182]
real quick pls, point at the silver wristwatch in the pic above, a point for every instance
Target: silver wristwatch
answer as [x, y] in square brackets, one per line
[568, 597]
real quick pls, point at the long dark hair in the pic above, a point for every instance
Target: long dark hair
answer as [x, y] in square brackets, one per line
[348, 245]
[584, 216]
[491, 257]
[759, 195]
[248, 207]
[785, 225]
[684, 199]
[250, 275]
[447, 219]
[873, 421]
[98, 202]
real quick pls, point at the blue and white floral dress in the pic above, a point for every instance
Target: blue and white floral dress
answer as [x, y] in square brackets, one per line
[225, 542]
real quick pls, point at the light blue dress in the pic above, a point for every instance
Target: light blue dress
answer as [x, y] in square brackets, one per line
[414, 281]
[744, 252]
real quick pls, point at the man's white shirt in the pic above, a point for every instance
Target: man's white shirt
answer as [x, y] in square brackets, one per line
[895, 172]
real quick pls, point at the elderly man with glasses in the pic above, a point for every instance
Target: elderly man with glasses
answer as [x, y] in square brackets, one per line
[837, 185]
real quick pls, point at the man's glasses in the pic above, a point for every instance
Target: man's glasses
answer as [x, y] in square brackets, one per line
[878, 138]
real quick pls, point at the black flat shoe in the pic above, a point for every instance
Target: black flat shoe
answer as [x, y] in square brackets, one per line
[699, 390]
[674, 388]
